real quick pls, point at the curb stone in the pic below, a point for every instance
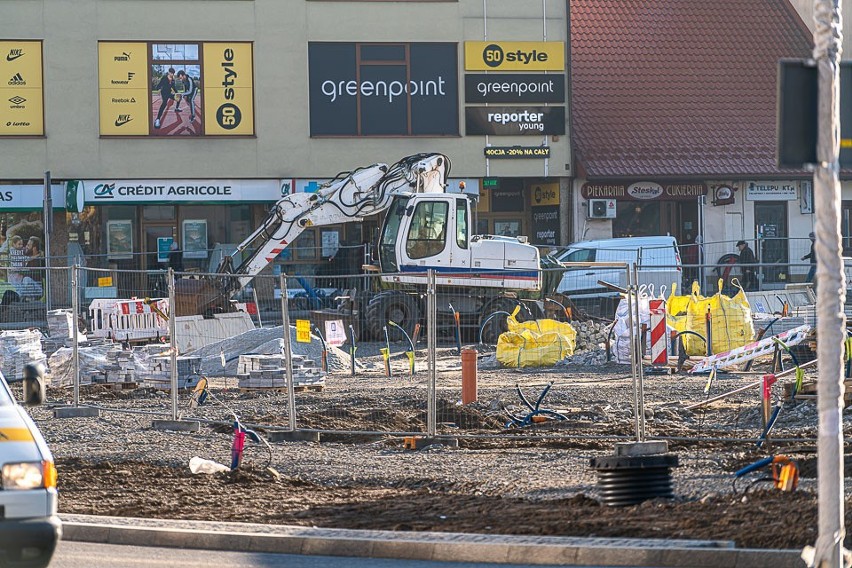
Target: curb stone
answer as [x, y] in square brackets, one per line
[434, 546]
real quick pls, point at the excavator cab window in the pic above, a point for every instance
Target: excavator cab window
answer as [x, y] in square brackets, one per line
[461, 223]
[390, 234]
[427, 235]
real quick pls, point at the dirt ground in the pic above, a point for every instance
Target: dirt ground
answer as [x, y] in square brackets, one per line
[530, 481]
[762, 519]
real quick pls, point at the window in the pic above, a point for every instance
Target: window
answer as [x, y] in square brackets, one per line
[461, 223]
[428, 232]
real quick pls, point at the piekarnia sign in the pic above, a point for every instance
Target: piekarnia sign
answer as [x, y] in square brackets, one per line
[108, 192]
[513, 121]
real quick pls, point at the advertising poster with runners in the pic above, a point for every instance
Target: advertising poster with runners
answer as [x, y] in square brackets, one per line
[167, 89]
[21, 98]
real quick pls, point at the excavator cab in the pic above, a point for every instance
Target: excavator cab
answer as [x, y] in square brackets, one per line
[426, 230]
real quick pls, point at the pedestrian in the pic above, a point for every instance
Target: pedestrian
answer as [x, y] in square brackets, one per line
[747, 260]
[812, 256]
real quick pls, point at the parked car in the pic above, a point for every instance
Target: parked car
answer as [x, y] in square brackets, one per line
[30, 527]
[657, 258]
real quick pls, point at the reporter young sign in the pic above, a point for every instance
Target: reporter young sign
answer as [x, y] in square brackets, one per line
[513, 121]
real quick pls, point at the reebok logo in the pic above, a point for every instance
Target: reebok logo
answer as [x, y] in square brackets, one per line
[14, 54]
[17, 80]
[123, 119]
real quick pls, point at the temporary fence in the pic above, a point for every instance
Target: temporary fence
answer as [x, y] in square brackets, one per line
[392, 353]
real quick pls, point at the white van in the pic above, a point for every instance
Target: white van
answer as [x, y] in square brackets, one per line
[657, 258]
[29, 526]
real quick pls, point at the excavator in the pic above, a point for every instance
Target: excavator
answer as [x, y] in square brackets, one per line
[425, 228]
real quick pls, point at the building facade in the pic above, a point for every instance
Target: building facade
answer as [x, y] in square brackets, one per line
[186, 122]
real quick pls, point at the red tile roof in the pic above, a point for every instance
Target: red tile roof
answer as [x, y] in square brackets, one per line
[679, 87]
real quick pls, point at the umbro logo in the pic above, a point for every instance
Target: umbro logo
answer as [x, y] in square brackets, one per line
[14, 54]
[17, 80]
[17, 101]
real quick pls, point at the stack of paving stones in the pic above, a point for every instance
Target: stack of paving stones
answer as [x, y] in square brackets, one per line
[19, 349]
[268, 371]
[60, 325]
[119, 369]
[160, 374]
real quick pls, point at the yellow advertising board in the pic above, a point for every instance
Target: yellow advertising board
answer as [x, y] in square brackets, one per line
[544, 194]
[176, 89]
[228, 89]
[514, 56]
[122, 79]
[21, 98]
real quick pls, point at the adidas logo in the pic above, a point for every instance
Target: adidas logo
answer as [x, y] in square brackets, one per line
[17, 80]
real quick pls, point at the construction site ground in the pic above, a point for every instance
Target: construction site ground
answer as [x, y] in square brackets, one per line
[534, 480]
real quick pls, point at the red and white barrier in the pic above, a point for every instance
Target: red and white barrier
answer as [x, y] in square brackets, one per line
[659, 342]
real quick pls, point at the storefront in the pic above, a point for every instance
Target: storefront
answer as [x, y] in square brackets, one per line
[521, 207]
[617, 209]
[773, 216]
[132, 224]
[22, 221]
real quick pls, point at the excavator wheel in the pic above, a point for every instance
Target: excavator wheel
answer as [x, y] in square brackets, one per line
[402, 309]
[497, 325]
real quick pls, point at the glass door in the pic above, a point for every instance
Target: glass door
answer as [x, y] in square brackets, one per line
[156, 241]
[771, 220]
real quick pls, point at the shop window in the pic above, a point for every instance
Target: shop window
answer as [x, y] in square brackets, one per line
[507, 227]
[428, 232]
[305, 246]
[158, 213]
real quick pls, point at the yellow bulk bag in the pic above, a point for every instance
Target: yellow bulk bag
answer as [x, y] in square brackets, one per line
[539, 343]
[730, 318]
[677, 307]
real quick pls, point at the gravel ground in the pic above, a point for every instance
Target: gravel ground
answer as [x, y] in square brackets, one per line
[534, 480]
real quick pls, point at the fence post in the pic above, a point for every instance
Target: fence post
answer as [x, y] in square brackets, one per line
[173, 341]
[640, 368]
[431, 334]
[75, 312]
[635, 357]
[288, 356]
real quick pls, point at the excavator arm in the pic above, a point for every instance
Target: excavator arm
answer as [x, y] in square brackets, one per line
[349, 197]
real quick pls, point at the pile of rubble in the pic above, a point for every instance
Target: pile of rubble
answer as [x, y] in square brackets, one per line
[267, 371]
[19, 349]
[591, 357]
[590, 334]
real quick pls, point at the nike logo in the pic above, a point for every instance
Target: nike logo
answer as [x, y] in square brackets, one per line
[14, 54]
[122, 120]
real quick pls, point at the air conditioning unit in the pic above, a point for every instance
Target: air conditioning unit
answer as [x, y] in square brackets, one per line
[601, 208]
